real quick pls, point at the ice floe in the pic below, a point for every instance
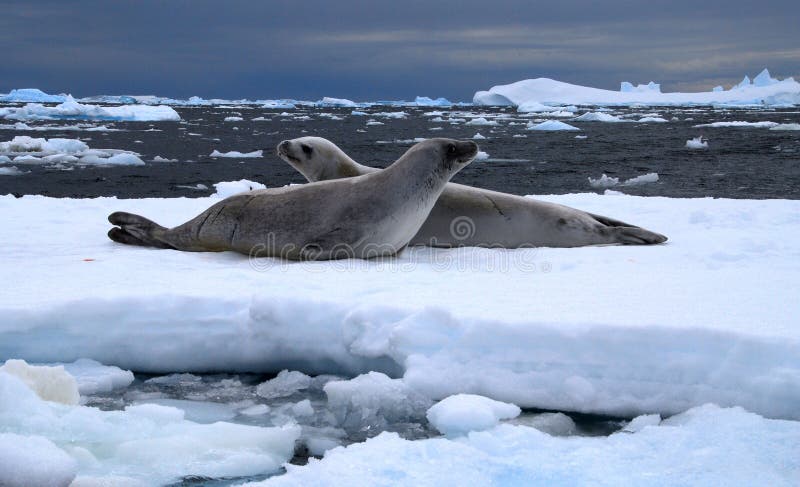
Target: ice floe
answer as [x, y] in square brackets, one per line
[230, 188]
[697, 143]
[739, 124]
[706, 445]
[551, 125]
[73, 110]
[461, 413]
[28, 95]
[31, 150]
[530, 326]
[604, 181]
[597, 117]
[237, 154]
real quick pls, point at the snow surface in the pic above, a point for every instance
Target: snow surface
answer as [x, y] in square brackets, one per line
[544, 91]
[613, 330]
[73, 110]
[707, 445]
[148, 443]
[461, 413]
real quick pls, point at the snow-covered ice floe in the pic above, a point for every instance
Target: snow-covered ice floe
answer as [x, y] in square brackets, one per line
[707, 445]
[54, 152]
[763, 90]
[73, 110]
[614, 330]
[551, 126]
[47, 438]
[604, 181]
[233, 153]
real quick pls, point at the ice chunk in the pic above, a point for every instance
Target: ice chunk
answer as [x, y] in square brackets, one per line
[10, 171]
[481, 121]
[33, 461]
[302, 408]
[604, 181]
[51, 151]
[597, 117]
[462, 413]
[230, 188]
[763, 124]
[163, 159]
[284, 384]
[336, 102]
[697, 143]
[233, 119]
[424, 101]
[93, 377]
[50, 383]
[551, 125]
[555, 424]
[237, 154]
[650, 177]
[373, 401]
[640, 422]
[478, 136]
[652, 120]
[786, 126]
[481, 156]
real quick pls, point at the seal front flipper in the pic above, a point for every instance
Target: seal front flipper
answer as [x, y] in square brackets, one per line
[637, 236]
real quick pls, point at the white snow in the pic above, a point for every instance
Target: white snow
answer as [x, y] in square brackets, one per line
[640, 422]
[30, 150]
[237, 154]
[697, 143]
[230, 188]
[461, 413]
[548, 92]
[703, 446]
[150, 443]
[650, 87]
[551, 125]
[73, 110]
[739, 124]
[534, 327]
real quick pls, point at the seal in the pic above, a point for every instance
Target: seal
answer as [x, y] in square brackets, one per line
[367, 216]
[471, 217]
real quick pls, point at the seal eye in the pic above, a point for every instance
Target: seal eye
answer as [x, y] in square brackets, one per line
[306, 149]
[451, 149]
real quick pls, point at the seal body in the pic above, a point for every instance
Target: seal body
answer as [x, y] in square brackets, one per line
[367, 216]
[467, 216]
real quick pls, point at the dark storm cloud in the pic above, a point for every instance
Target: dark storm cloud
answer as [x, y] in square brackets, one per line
[387, 50]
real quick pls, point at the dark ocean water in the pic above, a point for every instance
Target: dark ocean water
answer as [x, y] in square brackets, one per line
[740, 162]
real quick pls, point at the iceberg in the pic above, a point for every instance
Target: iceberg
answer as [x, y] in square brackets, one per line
[551, 125]
[30, 150]
[545, 91]
[32, 95]
[424, 101]
[70, 109]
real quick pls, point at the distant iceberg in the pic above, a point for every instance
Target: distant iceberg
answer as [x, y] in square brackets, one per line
[29, 95]
[424, 101]
[73, 110]
[763, 90]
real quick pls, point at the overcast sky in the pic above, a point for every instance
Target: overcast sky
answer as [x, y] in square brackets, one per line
[369, 50]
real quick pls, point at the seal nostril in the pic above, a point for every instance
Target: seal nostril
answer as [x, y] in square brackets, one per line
[284, 146]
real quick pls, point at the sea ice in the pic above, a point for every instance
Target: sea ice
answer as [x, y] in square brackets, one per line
[786, 126]
[597, 117]
[237, 154]
[30, 150]
[33, 461]
[27, 95]
[73, 110]
[285, 384]
[424, 101]
[739, 124]
[49, 383]
[481, 121]
[551, 125]
[604, 181]
[697, 143]
[230, 188]
[461, 413]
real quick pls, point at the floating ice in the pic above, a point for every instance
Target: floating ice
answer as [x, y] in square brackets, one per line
[230, 188]
[237, 154]
[93, 377]
[336, 102]
[149, 443]
[697, 143]
[396, 115]
[764, 79]
[545, 91]
[640, 422]
[704, 446]
[652, 120]
[481, 156]
[739, 124]
[597, 117]
[608, 182]
[27, 95]
[233, 119]
[510, 333]
[481, 121]
[551, 125]
[163, 159]
[285, 384]
[786, 126]
[478, 136]
[30, 150]
[462, 413]
[424, 101]
[9, 171]
[71, 109]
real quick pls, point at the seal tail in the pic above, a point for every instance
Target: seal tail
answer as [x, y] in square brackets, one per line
[628, 234]
[136, 230]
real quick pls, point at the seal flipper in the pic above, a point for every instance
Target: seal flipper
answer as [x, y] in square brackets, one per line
[637, 236]
[136, 230]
